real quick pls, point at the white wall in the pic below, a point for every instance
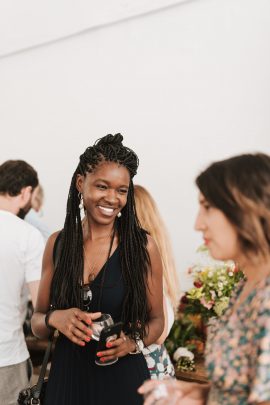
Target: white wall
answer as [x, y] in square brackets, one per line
[186, 86]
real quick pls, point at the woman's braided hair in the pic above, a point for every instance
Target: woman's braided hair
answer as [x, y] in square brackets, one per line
[68, 276]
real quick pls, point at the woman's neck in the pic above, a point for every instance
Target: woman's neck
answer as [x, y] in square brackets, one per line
[95, 231]
[255, 270]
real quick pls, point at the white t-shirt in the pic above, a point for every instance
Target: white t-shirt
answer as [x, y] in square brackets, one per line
[21, 250]
[170, 314]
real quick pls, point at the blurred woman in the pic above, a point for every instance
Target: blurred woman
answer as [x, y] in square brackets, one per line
[234, 219]
[34, 216]
[156, 355]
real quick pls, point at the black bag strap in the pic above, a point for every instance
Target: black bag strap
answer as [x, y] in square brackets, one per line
[38, 387]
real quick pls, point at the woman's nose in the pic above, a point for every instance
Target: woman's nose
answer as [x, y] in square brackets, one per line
[111, 196]
[199, 224]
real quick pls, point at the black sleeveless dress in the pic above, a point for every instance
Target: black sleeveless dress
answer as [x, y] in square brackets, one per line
[74, 376]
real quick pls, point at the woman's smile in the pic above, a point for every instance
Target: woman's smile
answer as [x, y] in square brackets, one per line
[108, 211]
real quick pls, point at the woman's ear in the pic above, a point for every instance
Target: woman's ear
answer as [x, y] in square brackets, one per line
[79, 182]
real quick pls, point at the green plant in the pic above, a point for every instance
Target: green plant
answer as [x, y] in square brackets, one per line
[184, 333]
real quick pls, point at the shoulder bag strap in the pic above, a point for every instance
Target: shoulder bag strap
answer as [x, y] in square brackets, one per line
[38, 387]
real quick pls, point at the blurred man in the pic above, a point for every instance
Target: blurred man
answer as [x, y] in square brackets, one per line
[21, 249]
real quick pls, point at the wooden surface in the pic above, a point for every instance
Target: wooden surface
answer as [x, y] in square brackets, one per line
[199, 375]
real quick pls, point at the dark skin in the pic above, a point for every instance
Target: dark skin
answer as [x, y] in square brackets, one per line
[104, 194]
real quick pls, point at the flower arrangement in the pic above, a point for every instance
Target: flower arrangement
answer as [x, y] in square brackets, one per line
[186, 336]
[213, 283]
[184, 359]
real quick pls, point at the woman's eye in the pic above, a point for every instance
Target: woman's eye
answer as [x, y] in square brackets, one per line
[206, 206]
[101, 187]
[123, 191]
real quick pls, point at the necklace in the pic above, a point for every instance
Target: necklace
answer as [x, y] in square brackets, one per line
[92, 268]
[86, 291]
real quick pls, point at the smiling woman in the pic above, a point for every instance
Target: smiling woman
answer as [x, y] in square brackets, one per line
[105, 264]
[104, 191]
[103, 195]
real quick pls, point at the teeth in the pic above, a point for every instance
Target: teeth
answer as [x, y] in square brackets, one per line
[108, 210]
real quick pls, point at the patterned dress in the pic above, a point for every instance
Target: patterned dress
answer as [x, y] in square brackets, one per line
[158, 362]
[157, 358]
[238, 350]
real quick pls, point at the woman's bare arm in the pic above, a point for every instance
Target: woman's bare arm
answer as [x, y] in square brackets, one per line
[71, 322]
[155, 325]
[42, 305]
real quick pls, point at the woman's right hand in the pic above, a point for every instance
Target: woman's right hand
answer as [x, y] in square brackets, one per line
[74, 324]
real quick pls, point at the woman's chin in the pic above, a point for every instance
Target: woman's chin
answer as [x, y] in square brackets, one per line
[217, 255]
[105, 220]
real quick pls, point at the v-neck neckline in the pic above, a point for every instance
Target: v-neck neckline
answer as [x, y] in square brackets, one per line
[102, 269]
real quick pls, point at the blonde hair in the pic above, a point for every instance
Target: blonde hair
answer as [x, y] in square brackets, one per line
[37, 198]
[150, 220]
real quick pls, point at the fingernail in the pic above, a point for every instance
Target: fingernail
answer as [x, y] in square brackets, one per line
[102, 359]
[108, 344]
[99, 354]
[87, 339]
[82, 343]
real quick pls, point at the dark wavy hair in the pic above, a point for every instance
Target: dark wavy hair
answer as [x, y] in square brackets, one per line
[68, 276]
[15, 175]
[240, 188]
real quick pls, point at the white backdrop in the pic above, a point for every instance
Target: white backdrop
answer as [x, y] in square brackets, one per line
[186, 85]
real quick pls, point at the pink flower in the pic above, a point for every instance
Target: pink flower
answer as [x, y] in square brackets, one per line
[206, 304]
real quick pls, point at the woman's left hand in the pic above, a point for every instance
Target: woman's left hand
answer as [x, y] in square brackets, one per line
[173, 392]
[157, 392]
[117, 348]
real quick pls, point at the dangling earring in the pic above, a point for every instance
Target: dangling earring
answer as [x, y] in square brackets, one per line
[81, 206]
[119, 214]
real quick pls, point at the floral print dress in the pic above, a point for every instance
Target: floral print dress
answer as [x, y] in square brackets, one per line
[238, 350]
[158, 362]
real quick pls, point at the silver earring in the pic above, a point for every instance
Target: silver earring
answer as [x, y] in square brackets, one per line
[119, 214]
[81, 206]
